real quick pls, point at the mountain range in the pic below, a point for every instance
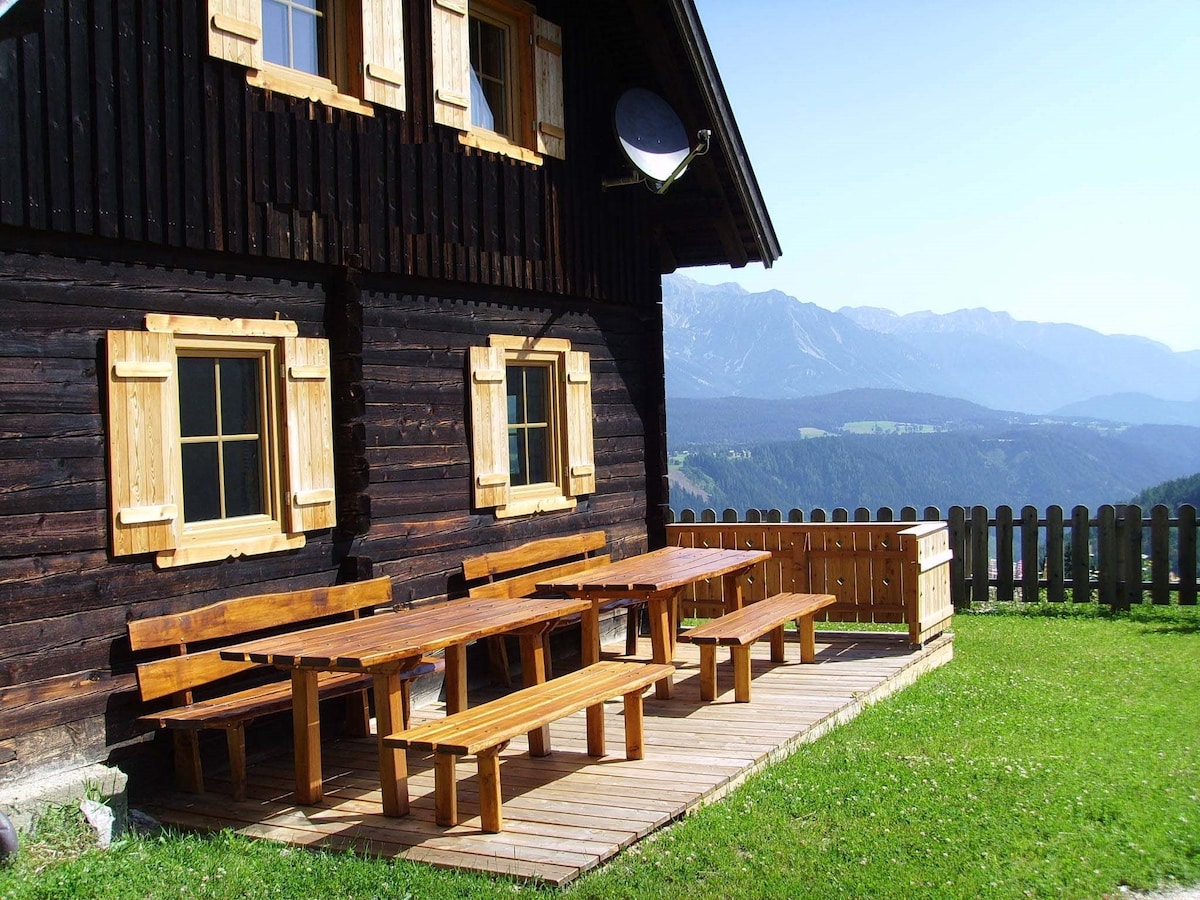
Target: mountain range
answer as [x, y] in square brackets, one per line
[772, 402]
[722, 341]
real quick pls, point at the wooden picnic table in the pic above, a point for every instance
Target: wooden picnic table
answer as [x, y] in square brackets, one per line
[387, 644]
[658, 578]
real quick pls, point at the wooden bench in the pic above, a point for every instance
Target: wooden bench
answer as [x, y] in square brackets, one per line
[485, 730]
[236, 693]
[740, 628]
[517, 571]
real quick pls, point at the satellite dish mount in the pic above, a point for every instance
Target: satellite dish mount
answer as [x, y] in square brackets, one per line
[654, 141]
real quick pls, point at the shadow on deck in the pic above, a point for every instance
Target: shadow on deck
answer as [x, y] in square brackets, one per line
[567, 813]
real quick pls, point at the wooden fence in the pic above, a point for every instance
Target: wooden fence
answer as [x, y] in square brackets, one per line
[879, 571]
[1117, 555]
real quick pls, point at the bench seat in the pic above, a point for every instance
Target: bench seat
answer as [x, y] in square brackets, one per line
[740, 628]
[484, 730]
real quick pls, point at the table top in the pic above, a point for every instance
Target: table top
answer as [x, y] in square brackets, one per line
[659, 570]
[391, 639]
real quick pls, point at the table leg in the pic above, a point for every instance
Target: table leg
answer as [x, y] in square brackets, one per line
[306, 735]
[393, 765]
[456, 678]
[589, 652]
[732, 589]
[533, 671]
[660, 641]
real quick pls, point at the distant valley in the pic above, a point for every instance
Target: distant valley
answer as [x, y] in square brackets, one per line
[777, 403]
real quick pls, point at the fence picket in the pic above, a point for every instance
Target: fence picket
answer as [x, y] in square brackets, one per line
[1055, 580]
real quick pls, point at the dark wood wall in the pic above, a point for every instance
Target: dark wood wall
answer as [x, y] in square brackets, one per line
[118, 125]
[138, 175]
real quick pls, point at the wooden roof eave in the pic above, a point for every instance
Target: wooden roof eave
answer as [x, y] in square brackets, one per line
[725, 130]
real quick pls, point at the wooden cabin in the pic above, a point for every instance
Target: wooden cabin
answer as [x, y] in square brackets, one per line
[269, 272]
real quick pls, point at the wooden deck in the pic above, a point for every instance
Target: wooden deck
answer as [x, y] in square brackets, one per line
[567, 813]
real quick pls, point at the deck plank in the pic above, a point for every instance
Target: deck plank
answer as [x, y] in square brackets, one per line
[568, 813]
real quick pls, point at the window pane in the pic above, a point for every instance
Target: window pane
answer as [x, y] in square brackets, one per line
[275, 32]
[538, 455]
[243, 479]
[517, 473]
[305, 42]
[536, 394]
[515, 383]
[239, 396]
[201, 483]
[489, 76]
[197, 396]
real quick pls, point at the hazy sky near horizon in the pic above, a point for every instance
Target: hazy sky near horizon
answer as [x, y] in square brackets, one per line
[1040, 157]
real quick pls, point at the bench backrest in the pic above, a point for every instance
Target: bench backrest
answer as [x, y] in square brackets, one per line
[231, 621]
[517, 571]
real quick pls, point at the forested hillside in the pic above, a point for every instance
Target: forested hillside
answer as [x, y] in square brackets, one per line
[1036, 465]
[1174, 493]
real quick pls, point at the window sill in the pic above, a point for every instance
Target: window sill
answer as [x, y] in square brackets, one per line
[307, 87]
[534, 505]
[227, 549]
[498, 143]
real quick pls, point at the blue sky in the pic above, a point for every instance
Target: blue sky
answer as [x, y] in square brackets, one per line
[1037, 157]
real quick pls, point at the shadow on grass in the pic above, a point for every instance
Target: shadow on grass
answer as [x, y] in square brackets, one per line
[1157, 618]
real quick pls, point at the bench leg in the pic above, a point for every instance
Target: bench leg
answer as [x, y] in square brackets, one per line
[708, 671]
[777, 645]
[741, 672]
[634, 730]
[489, 790]
[393, 765]
[808, 639]
[306, 735]
[235, 739]
[633, 617]
[445, 789]
[534, 663]
[189, 774]
[595, 730]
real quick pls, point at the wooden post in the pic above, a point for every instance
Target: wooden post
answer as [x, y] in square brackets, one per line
[960, 564]
[1030, 564]
[1004, 554]
[1081, 555]
[1133, 556]
[1160, 554]
[1055, 582]
[980, 578]
[1107, 556]
[1187, 555]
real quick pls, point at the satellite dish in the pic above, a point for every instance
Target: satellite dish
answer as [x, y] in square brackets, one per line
[653, 139]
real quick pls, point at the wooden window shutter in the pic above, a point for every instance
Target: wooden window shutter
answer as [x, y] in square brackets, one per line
[581, 455]
[383, 53]
[308, 398]
[489, 426]
[547, 67]
[451, 55]
[143, 436]
[235, 31]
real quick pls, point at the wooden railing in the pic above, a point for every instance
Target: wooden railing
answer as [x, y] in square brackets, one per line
[879, 571]
[1116, 556]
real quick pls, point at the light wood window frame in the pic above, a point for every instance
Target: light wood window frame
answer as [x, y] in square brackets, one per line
[535, 89]
[364, 48]
[145, 456]
[573, 464]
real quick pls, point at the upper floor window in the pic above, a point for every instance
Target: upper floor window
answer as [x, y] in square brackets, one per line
[294, 35]
[497, 76]
[220, 438]
[337, 52]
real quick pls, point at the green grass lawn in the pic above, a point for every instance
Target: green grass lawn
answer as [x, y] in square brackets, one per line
[1058, 755]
